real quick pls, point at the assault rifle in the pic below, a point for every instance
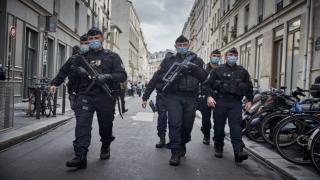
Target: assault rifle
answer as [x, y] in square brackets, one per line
[175, 70]
[92, 74]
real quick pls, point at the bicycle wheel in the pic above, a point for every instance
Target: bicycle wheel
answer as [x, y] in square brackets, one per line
[252, 128]
[48, 103]
[269, 124]
[315, 152]
[292, 135]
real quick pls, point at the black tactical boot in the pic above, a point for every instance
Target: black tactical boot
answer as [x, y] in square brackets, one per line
[240, 156]
[161, 143]
[175, 159]
[183, 151]
[77, 162]
[218, 151]
[105, 152]
[206, 140]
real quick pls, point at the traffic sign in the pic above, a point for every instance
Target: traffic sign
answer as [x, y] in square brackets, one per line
[13, 32]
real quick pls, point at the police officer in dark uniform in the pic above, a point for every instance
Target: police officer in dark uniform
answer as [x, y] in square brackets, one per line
[74, 80]
[181, 96]
[215, 58]
[229, 84]
[156, 83]
[96, 99]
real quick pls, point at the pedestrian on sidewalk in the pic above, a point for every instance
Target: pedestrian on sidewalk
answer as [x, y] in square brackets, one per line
[181, 95]
[215, 58]
[226, 87]
[139, 89]
[95, 98]
[123, 90]
[129, 88]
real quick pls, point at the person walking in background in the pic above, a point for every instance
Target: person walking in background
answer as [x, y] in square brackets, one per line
[123, 90]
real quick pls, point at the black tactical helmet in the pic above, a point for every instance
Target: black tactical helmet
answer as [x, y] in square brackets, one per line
[181, 39]
[84, 37]
[216, 52]
[233, 50]
[94, 31]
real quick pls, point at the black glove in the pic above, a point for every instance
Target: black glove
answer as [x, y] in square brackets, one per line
[83, 73]
[184, 68]
[102, 78]
[193, 67]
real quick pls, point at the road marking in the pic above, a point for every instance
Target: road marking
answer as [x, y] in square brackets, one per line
[143, 116]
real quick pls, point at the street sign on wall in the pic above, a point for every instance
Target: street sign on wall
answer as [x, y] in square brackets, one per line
[13, 32]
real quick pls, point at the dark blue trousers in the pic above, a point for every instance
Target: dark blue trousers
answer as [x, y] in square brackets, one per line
[206, 117]
[181, 115]
[104, 106]
[230, 109]
[162, 115]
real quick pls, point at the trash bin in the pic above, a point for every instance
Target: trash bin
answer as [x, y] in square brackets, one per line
[6, 104]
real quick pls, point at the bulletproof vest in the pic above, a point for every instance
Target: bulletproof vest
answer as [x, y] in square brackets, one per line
[231, 80]
[185, 82]
[102, 63]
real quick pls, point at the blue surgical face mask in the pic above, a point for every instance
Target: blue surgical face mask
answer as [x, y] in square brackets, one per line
[84, 48]
[232, 60]
[182, 51]
[95, 44]
[215, 60]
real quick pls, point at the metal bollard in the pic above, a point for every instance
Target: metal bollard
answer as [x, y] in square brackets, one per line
[64, 89]
[55, 99]
[38, 102]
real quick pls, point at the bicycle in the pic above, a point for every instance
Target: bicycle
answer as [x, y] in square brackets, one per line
[45, 98]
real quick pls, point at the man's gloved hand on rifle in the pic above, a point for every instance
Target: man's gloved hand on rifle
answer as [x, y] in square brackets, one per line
[102, 78]
[83, 73]
[190, 67]
[184, 68]
[193, 67]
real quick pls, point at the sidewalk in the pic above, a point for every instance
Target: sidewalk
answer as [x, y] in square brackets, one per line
[26, 127]
[271, 158]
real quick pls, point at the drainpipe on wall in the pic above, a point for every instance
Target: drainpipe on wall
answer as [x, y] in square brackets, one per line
[306, 45]
[310, 46]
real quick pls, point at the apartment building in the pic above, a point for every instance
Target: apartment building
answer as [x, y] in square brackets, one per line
[45, 32]
[278, 40]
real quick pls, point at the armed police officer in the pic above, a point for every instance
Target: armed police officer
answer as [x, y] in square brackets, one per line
[181, 74]
[215, 58]
[229, 83]
[157, 83]
[101, 72]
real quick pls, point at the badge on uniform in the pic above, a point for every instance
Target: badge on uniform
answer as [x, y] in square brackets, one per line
[98, 62]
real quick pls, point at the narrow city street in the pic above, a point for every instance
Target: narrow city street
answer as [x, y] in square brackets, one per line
[133, 155]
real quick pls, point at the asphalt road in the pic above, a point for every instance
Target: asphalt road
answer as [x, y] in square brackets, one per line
[133, 155]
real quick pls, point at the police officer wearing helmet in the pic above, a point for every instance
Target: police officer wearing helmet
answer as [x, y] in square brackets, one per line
[215, 58]
[181, 95]
[228, 84]
[96, 99]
